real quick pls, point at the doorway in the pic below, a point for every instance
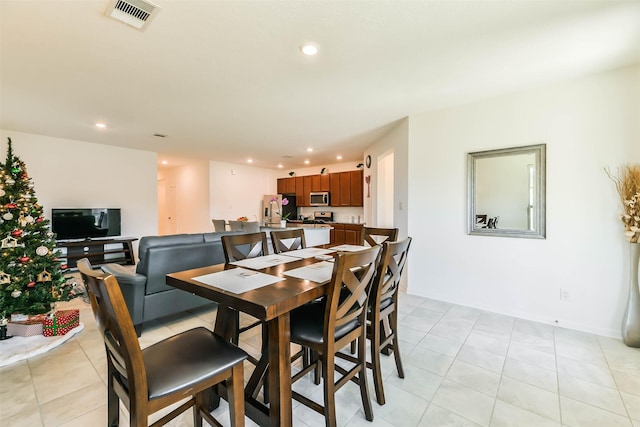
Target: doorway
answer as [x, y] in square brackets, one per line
[167, 215]
[384, 186]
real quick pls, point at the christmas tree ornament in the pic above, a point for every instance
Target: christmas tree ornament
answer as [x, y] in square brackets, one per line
[11, 205]
[15, 170]
[64, 266]
[8, 242]
[31, 285]
[24, 259]
[42, 250]
[10, 181]
[22, 221]
[4, 278]
[8, 216]
[2, 192]
[29, 219]
[30, 185]
[39, 219]
[17, 232]
[16, 294]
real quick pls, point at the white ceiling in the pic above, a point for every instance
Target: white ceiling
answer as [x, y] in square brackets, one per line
[225, 80]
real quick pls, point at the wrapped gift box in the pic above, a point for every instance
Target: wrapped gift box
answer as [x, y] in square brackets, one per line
[28, 328]
[61, 322]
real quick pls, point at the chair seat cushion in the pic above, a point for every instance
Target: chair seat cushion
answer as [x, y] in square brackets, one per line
[185, 359]
[307, 324]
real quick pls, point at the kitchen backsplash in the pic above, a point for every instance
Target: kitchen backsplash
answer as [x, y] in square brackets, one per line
[346, 214]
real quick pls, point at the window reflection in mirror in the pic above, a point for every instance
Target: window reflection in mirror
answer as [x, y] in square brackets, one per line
[506, 192]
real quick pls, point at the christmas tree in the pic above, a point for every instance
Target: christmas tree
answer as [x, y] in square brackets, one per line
[31, 275]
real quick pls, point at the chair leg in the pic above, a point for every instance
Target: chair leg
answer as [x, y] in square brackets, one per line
[396, 343]
[199, 403]
[235, 395]
[317, 372]
[375, 362]
[329, 390]
[362, 376]
[353, 347]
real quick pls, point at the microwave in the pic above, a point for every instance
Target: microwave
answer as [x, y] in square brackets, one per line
[319, 199]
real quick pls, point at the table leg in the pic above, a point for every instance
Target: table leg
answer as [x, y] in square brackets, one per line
[280, 371]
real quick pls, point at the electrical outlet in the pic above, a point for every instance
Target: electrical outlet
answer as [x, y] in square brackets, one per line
[565, 295]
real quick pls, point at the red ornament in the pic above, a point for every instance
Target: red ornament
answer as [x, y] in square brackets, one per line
[24, 259]
[16, 233]
[11, 205]
[39, 219]
[31, 284]
[64, 266]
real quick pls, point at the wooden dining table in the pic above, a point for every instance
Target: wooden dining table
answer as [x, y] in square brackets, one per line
[271, 304]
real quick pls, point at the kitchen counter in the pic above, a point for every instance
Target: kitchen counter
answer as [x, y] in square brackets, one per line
[314, 234]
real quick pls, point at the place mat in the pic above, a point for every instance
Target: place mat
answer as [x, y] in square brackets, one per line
[238, 280]
[308, 252]
[349, 248]
[260, 262]
[20, 348]
[319, 272]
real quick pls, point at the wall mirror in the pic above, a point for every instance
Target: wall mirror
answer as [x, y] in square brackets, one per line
[506, 192]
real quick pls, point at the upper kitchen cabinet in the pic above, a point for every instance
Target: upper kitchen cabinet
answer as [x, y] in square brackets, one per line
[356, 188]
[287, 185]
[320, 183]
[334, 189]
[300, 200]
[345, 189]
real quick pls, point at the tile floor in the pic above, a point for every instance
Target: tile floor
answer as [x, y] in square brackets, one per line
[464, 367]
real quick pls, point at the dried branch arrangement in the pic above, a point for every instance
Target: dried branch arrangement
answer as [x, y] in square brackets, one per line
[628, 185]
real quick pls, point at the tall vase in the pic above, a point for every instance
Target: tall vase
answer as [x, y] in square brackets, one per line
[631, 320]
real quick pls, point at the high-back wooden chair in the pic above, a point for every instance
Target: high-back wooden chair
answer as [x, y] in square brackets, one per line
[219, 224]
[185, 365]
[334, 322]
[237, 247]
[288, 240]
[372, 236]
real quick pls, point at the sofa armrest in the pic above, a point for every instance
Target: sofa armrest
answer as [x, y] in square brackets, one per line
[133, 287]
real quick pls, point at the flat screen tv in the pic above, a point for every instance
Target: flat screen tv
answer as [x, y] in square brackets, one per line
[85, 223]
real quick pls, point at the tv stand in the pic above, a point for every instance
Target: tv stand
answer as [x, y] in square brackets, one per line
[98, 251]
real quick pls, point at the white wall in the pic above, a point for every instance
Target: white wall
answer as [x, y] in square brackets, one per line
[191, 182]
[70, 173]
[237, 190]
[587, 124]
[394, 141]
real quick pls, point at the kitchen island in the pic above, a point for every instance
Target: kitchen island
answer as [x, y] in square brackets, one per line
[314, 234]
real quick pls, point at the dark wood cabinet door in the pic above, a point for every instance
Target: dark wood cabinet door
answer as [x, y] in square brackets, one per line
[291, 185]
[325, 182]
[356, 188]
[350, 237]
[306, 182]
[315, 183]
[300, 192]
[345, 188]
[334, 189]
[282, 185]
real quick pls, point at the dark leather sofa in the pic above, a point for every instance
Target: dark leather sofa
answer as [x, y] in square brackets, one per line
[146, 293]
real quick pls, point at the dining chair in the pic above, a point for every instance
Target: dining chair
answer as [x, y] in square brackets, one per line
[185, 365]
[235, 225]
[382, 316]
[219, 224]
[334, 322]
[372, 236]
[288, 240]
[237, 247]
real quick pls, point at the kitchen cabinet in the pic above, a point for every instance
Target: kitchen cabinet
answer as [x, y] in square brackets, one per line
[299, 185]
[350, 234]
[287, 185]
[356, 189]
[306, 185]
[346, 188]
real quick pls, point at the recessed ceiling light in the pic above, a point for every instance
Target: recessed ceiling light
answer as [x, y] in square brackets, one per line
[101, 125]
[164, 162]
[306, 162]
[249, 160]
[309, 49]
[309, 150]
[280, 166]
[339, 157]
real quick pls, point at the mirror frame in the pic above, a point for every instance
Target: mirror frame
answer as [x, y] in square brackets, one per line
[539, 232]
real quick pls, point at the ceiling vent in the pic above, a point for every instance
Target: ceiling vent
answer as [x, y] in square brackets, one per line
[137, 13]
